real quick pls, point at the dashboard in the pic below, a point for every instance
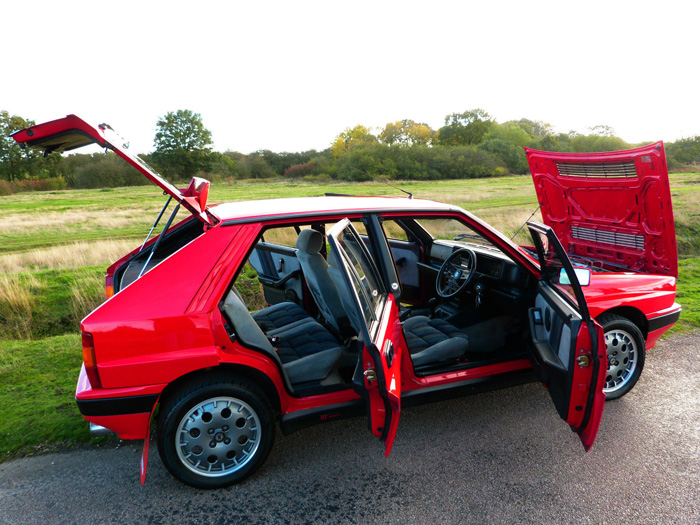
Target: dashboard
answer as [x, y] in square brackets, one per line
[491, 264]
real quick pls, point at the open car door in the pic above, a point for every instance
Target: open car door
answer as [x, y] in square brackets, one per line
[72, 132]
[374, 314]
[569, 354]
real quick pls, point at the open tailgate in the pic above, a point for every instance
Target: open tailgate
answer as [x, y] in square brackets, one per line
[72, 132]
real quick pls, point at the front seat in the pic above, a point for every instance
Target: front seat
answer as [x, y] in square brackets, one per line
[429, 341]
[315, 269]
[433, 341]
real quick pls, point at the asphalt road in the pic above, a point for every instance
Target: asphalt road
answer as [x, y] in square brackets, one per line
[501, 457]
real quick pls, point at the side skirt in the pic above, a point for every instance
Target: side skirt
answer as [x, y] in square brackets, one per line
[301, 419]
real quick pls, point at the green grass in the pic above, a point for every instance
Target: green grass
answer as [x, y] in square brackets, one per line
[60, 299]
[38, 374]
[37, 386]
[688, 294]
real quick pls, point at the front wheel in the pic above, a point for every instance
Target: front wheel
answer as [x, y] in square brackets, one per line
[216, 431]
[626, 352]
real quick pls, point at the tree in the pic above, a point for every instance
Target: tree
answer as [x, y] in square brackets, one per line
[350, 138]
[534, 128]
[406, 133]
[683, 152]
[182, 143]
[466, 128]
[602, 130]
[14, 161]
[509, 132]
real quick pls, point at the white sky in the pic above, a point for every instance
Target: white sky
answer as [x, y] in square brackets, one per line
[290, 76]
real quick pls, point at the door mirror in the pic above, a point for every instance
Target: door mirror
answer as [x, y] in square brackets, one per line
[582, 274]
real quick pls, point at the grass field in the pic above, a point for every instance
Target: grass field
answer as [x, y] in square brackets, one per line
[56, 246]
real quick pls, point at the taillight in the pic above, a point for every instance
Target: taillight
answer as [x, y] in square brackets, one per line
[90, 361]
[109, 286]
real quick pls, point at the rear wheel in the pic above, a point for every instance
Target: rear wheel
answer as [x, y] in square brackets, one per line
[626, 352]
[215, 431]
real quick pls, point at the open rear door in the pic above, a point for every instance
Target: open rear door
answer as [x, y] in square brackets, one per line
[374, 314]
[72, 132]
[569, 353]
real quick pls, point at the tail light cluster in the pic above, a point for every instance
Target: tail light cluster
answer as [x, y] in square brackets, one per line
[109, 286]
[90, 361]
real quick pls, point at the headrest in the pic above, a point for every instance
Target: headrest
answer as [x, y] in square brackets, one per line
[309, 241]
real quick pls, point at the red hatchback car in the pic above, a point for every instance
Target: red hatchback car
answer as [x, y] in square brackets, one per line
[370, 304]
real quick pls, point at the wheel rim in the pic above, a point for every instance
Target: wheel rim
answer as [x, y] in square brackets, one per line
[218, 436]
[623, 356]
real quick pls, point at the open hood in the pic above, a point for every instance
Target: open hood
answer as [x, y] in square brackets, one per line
[612, 207]
[72, 132]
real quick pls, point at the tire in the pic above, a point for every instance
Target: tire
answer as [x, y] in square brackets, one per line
[229, 429]
[626, 353]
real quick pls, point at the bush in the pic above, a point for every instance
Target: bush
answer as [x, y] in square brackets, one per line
[512, 156]
[300, 170]
[418, 162]
[5, 188]
[102, 170]
[55, 183]
[684, 153]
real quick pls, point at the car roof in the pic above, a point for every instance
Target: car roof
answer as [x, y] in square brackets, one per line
[304, 206]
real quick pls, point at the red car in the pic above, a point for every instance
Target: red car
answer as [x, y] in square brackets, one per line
[368, 304]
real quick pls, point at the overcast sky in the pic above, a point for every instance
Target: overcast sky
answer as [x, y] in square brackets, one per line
[290, 76]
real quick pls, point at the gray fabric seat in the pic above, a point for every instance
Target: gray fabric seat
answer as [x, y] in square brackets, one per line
[306, 350]
[432, 341]
[280, 315]
[429, 341]
[321, 286]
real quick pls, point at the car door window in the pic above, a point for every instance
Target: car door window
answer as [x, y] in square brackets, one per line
[365, 283]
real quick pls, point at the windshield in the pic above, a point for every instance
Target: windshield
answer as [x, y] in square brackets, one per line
[450, 229]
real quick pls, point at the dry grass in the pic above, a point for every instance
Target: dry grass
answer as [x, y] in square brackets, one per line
[25, 223]
[16, 305]
[85, 297]
[73, 255]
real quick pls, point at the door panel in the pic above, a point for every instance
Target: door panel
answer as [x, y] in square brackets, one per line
[384, 393]
[568, 350]
[407, 256]
[279, 272]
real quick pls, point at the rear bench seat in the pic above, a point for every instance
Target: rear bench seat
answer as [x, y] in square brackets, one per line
[304, 348]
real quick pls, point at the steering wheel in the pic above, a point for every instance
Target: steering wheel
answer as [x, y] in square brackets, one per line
[455, 273]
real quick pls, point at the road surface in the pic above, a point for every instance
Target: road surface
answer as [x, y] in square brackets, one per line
[501, 457]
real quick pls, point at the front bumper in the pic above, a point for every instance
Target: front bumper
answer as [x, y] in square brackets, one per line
[660, 324]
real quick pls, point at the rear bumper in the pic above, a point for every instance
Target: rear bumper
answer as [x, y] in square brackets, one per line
[124, 411]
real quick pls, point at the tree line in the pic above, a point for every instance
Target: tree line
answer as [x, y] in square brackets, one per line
[469, 145]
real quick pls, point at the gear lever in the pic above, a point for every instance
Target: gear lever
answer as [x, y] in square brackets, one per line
[478, 294]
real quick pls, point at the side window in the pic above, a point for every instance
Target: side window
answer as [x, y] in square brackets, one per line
[283, 235]
[393, 231]
[272, 274]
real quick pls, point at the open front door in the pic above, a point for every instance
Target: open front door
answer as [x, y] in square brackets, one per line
[374, 314]
[569, 352]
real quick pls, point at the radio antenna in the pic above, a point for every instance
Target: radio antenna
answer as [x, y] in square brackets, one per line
[378, 179]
